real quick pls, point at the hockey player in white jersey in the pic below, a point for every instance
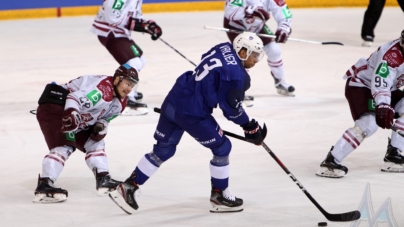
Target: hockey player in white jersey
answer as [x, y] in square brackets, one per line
[374, 91]
[113, 25]
[77, 115]
[251, 15]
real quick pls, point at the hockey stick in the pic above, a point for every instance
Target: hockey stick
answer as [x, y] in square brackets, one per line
[399, 132]
[349, 216]
[177, 52]
[272, 36]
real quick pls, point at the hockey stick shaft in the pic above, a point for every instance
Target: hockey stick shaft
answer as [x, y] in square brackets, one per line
[162, 40]
[399, 132]
[349, 216]
[272, 36]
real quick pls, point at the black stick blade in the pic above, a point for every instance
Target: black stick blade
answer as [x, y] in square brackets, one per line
[157, 110]
[332, 43]
[349, 216]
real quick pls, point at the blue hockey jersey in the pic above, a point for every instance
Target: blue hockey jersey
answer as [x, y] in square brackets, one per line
[220, 78]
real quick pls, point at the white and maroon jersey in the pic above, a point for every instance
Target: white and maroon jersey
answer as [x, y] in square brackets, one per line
[114, 15]
[93, 96]
[235, 12]
[382, 72]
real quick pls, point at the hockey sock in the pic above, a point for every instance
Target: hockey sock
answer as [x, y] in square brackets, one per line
[97, 159]
[54, 162]
[350, 140]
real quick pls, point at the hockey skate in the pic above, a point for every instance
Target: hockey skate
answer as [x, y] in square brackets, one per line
[393, 160]
[223, 202]
[139, 96]
[248, 101]
[46, 192]
[104, 182]
[125, 195]
[367, 41]
[284, 88]
[330, 168]
[134, 108]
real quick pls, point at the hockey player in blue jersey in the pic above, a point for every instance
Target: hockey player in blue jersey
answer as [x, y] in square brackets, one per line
[219, 79]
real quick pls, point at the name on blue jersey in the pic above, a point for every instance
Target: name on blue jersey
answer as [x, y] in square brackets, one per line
[228, 56]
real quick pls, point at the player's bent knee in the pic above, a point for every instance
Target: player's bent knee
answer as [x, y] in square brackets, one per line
[223, 149]
[273, 51]
[63, 151]
[366, 125]
[137, 63]
[220, 161]
[162, 152]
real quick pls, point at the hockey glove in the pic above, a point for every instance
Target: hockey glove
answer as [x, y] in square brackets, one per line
[148, 26]
[100, 130]
[70, 120]
[282, 34]
[258, 12]
[384, 115]
[253, 132]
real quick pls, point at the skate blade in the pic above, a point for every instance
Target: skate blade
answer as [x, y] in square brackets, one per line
[224, 209]
[325, 172]
[285, 93]
[248, 104]
[120, 201]
[42, 198]
[392, 167]
[367, 44]
[135, 112]
[104, 191]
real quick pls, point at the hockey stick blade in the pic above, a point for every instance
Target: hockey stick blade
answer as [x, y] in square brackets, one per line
[332, 43]
[348, 216]
[273, 36]
[399, 132]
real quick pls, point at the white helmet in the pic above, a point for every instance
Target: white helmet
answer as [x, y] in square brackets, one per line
[249, 41]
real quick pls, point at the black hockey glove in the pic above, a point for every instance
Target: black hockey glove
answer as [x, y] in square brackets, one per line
[148, 26]
[99, 130]
[384, 115]
[253, 132]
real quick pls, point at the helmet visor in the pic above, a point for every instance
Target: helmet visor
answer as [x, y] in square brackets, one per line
[257, 55]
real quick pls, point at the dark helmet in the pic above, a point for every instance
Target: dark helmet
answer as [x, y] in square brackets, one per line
[127, 72]
[402, 38]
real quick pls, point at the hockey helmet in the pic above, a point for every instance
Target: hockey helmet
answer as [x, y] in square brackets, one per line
[402, 38]
[251, 42]
[127, 72]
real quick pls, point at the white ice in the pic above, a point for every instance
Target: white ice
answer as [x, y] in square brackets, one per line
[301, 130]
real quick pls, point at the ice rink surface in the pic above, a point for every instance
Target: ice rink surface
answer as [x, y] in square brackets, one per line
[301, 130]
